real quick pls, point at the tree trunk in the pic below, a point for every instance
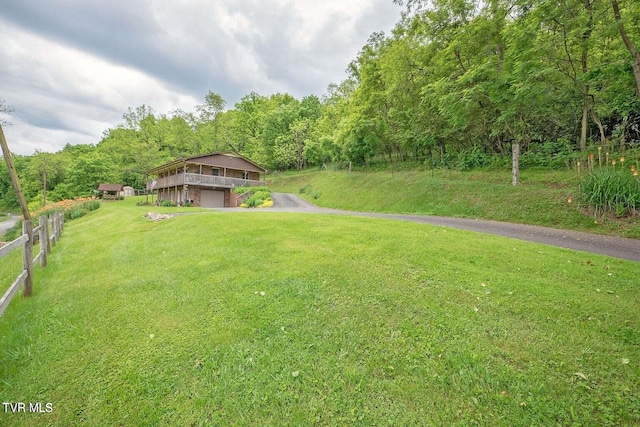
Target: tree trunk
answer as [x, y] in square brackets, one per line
[630, 46]
[584, 62]
[515, 170]
[585, 114]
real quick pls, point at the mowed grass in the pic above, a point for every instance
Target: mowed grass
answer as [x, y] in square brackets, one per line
[542, 198]
[266, 318]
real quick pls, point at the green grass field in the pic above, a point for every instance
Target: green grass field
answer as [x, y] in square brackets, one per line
[540, 199]
[265, 318]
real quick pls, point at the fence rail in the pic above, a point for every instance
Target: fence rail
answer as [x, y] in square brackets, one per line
[55, 223]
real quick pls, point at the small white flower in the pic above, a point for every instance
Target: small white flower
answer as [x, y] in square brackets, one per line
[262, 294]
[295, 373]
[625, 361]
[476, 309]
[151, 336]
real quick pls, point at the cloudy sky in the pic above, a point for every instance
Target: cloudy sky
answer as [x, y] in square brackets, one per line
[71, 68]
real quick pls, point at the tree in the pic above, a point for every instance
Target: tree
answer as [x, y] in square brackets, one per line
[207, 127]
[628, 44]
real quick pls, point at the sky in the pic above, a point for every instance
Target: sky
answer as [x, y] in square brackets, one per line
[71, 68]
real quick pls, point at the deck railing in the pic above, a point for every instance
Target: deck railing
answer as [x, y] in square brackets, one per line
[205, 181]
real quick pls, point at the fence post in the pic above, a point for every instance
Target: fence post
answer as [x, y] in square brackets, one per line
[44, 241]
[47, 229]
[27, 256]
[52, 217]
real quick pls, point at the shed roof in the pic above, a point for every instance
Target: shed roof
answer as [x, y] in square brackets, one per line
[110, 187]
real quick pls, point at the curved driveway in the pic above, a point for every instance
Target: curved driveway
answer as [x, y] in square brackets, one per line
[618, 247]
[7, 224]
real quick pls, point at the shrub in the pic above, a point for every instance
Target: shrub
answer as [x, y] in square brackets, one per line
[472, 158]
[612, 190]
[306, 189]
[242, 190]
[167, 204]
[258, 197]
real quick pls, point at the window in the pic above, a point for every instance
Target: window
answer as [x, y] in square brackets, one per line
[216, 172]
[245, 175]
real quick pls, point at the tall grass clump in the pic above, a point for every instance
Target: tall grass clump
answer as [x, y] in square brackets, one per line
[612, 189]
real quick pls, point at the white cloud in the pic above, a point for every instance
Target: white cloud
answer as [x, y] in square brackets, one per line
[73, 70]
[63, 95]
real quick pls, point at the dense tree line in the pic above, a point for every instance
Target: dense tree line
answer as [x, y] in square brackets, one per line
[455, 78]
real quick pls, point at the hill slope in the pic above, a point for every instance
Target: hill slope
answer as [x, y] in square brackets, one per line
[541, 199]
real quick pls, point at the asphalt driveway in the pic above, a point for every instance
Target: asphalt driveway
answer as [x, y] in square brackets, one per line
[7, 224]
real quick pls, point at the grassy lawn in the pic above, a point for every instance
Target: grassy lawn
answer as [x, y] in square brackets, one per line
[540, 199]
[265, 318]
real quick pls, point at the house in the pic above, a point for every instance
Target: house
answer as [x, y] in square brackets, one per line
[206, 180]
[110, 191]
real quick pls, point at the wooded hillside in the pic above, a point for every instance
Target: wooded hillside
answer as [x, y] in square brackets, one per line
[457, 81]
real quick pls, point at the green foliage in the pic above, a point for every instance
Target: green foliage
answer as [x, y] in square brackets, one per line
[256, 195]
[167, 204]
[613, 190]
[258, 198]
[454, 85]
[243, 190]
[305, 190]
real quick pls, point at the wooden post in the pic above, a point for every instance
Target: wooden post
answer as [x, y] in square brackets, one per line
[14, 177]
[27, 256]
[53, 229]
[44, 241]
[515, 177]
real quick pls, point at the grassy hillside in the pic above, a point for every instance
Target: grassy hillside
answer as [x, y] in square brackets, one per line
[541, 199]
[265, 318]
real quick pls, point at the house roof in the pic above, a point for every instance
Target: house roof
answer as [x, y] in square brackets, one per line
[225, 159]
[110, 187]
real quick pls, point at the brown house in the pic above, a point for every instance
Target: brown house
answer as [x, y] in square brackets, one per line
[205, 180]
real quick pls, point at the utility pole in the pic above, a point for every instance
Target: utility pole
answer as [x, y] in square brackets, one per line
[44, 180]
[27, 223]
[14, 176]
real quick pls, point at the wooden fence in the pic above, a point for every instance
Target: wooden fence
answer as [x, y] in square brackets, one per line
[47, 232]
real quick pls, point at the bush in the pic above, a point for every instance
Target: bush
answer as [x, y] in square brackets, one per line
[167, 204]
[306, 189]
[258, 197]
[472, 159]
[242, 190]
[612, 190]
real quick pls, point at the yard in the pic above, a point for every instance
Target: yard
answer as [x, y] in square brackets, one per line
[264, 318]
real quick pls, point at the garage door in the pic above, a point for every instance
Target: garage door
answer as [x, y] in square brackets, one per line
[212, 199]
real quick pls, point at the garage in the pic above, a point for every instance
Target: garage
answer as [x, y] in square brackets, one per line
[212, 199]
